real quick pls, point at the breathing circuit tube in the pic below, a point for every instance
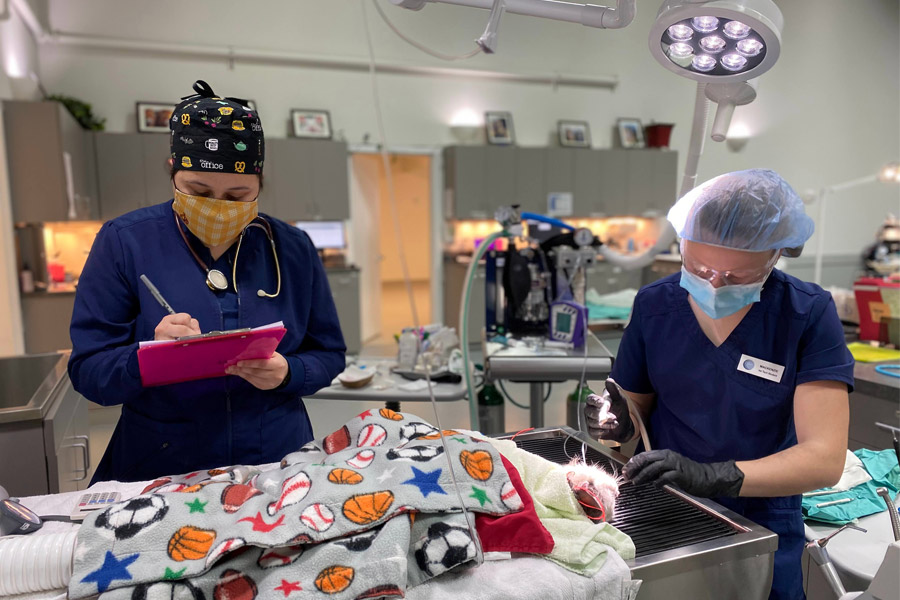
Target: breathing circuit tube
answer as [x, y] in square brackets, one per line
[36, 563]
[528, 216]
[464, 323]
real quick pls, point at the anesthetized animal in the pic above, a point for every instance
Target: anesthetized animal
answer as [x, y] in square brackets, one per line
[595, 489]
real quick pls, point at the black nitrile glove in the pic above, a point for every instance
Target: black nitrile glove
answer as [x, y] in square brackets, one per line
[706, 480]
[607, 415]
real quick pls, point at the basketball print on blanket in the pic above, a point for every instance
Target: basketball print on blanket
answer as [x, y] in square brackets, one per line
[127, 519]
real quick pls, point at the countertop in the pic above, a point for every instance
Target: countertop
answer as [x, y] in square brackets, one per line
[871, 383]
[465, 259]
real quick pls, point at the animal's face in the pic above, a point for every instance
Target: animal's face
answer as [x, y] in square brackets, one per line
[594, 488]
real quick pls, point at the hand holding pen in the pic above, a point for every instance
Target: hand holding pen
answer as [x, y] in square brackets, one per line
[174, 325]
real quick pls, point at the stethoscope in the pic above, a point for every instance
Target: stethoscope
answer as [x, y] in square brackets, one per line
[215, 279]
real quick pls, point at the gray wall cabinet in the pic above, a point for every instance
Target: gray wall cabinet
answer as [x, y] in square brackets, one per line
[465, 182]
[603, 183]
[50, 157]
[132, 171]
[121, 173]
[305, 180]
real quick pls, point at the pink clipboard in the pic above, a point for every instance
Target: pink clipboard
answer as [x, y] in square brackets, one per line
[204, 357]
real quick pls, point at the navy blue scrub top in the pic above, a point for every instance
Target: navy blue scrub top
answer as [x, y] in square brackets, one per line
[709, 411]
[183, 427]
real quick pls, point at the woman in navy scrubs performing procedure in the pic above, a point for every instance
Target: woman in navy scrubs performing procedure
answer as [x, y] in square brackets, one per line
[222, 266]
[739, 370]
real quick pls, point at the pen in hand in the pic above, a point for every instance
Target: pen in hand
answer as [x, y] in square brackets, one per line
[155, 293]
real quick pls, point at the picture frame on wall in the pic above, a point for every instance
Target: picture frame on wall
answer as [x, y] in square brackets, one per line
[311, 123]
[153, 117]
[499, 127]
[631, 133]
[574, 134]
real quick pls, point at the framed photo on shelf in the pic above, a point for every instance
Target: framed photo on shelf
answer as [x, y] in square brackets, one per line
[631, 133]
[574, 134]
[308, 123]
[499, 126]
[153, 117]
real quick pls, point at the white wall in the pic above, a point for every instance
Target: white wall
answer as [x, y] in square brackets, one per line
[18, 58]
[828, 111]
[365, 177]
[808, 120]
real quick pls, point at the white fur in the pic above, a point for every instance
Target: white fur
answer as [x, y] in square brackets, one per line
[605, 485]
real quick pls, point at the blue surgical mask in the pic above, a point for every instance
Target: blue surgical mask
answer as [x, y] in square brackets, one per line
[722, 301]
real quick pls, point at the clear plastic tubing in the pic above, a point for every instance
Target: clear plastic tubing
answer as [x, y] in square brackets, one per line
[36, 563]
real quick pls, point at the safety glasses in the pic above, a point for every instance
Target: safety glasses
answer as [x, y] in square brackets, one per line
[727, 277]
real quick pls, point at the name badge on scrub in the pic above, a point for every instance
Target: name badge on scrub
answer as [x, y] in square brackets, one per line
[760, 368]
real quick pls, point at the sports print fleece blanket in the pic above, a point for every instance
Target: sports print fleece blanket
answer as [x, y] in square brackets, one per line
[362, 513]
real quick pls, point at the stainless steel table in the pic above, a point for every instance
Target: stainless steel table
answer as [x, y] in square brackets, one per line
[548, 365]
[384, 387]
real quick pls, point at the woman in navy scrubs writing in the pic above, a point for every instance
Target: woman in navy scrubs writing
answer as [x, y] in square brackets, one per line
[740, 370]
[221, 265]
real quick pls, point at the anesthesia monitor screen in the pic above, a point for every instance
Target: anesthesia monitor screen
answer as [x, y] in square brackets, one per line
[563, 322]
[324, 234]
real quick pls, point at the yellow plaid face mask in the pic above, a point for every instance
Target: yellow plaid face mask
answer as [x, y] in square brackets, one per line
[214, 221]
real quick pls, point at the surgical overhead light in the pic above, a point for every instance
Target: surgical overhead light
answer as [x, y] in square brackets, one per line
[722, 44]
[731, 40]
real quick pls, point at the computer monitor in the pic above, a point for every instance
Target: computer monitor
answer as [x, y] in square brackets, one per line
[324, 234]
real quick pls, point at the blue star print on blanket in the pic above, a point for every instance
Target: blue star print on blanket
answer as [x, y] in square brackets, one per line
[111, 569]
[426, 482]
[331, 520]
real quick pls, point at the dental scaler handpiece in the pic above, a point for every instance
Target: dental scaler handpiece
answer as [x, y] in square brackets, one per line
[892, 510]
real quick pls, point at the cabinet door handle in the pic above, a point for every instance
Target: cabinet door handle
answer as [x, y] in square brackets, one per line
[84, 456]
[87, 451]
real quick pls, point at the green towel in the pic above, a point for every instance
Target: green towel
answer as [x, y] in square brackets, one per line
[882, 466]
[580, 544]
[596, 312]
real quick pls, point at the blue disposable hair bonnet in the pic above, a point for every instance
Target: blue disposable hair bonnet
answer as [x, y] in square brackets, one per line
[753, 210]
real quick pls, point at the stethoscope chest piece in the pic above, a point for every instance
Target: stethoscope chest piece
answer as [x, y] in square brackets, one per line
[216, 280]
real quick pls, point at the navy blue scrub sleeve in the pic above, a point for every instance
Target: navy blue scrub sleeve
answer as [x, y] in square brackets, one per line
[823, 354]
[630, 368]
[103, 365]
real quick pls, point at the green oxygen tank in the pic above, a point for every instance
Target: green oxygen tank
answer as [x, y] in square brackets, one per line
[575, 406]
[491, 416]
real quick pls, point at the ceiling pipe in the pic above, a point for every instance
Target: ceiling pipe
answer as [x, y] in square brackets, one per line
[590, 15]
[279, 57]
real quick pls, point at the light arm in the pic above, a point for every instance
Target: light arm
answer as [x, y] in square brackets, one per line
[587, 14]
[821, 418]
